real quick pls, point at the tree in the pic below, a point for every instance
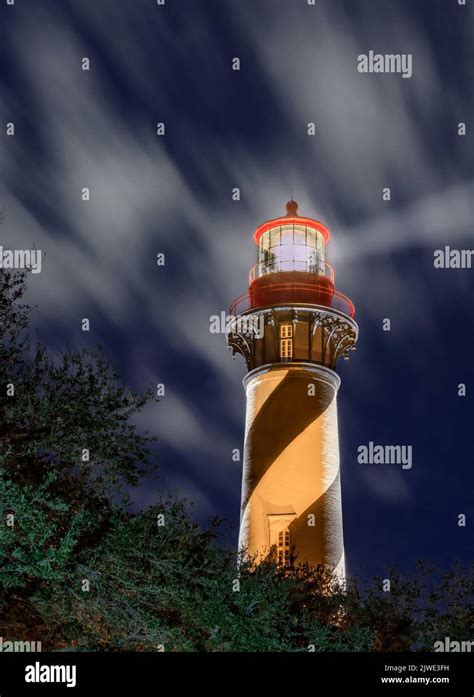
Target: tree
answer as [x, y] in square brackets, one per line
[68, 451]
[83, 573]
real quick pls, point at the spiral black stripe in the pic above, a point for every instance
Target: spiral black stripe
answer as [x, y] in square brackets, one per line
[286, 428]
[287, 411]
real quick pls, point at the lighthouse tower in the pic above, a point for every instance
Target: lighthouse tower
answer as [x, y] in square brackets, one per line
[291, 326]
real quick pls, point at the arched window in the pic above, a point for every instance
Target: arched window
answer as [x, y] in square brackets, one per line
[286, 341]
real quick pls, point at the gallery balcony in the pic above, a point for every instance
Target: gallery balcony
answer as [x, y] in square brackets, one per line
[280, 291]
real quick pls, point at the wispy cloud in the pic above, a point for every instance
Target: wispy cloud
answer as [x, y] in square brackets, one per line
[100, 255]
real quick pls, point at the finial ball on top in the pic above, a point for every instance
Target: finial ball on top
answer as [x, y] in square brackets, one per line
[291, 208]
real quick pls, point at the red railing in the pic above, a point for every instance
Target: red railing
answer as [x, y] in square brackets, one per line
[320, 268]
[282, 293]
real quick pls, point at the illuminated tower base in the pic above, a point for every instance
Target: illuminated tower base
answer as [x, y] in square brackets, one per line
[291, 326]
[291, 494]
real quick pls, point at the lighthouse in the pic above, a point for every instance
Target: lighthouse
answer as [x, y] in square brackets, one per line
[291, 326]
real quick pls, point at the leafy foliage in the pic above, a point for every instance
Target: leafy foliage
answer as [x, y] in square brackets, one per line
[79, 572]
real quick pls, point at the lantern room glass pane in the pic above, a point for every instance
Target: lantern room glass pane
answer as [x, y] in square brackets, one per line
[266, 259]
[300, 256]
[320, 244]
[310, 237]
[287, 235]
[299, 236]
[275, 237]
[316, 263]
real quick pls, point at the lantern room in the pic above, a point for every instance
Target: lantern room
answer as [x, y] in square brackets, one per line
[291, 244]
[291, 262]
[291, 266]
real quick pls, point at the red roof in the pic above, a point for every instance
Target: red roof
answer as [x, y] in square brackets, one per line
[292, 220]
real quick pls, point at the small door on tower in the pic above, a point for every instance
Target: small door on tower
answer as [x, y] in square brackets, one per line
[280, 538]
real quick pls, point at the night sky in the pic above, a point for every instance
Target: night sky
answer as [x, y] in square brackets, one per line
[172, 194]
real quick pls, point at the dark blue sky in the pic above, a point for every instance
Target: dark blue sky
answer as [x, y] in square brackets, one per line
[173, 194]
